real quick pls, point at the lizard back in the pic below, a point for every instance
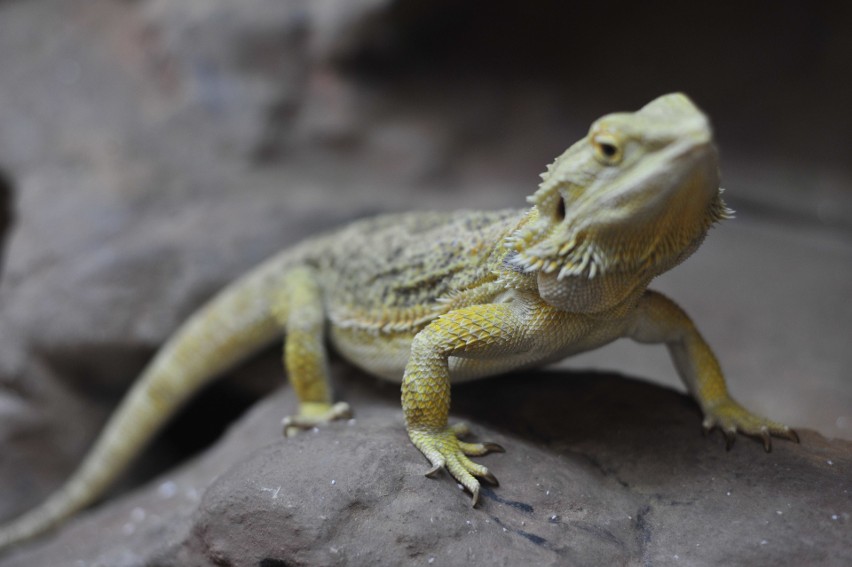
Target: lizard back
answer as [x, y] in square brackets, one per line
[397, 272]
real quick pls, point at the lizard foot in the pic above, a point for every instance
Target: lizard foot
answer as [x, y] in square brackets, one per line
[444, 450]
[312, 414]
[730, 417]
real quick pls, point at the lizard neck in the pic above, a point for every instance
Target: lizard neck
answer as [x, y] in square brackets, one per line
[580, 293]
[603, 293]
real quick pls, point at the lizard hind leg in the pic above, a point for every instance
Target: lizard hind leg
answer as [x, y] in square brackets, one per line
[299, 308]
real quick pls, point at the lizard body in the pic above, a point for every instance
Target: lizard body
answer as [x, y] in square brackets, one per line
[427, 299]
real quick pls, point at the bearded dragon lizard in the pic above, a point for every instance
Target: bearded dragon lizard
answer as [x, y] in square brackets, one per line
[434, 298]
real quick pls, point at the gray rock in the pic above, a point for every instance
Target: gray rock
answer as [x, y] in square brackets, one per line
[151, 151]
[599, 470]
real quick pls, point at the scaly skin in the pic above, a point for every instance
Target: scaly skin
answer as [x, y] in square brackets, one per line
[436, 298]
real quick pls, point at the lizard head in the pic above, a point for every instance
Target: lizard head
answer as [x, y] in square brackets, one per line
[636, 195]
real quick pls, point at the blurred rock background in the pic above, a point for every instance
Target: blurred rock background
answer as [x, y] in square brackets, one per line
[150, 151]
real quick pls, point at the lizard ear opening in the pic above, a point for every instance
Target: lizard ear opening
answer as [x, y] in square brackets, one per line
[560, 209]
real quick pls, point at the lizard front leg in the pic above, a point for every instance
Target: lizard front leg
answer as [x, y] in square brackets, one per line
[473, 332]
[659, 319]
[300, 310]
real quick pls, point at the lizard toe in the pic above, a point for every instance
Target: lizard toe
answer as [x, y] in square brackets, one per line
[314, 414]
[479, 449]
[444, 450]
[461, 429]
[732, 418]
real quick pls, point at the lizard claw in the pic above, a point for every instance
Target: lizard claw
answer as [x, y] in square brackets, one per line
[490, 479]
[433, 472]
[444, 450]
[732, 418]
[313, 414]
[730, 438]
[790, 434]
[766, 438]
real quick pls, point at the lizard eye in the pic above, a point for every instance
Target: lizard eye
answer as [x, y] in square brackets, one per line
[607, 149]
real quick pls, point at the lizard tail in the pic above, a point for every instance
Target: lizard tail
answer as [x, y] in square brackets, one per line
[232, 326]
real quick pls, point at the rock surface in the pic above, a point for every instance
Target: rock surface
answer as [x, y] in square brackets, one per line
[151, 151]
[600, 470]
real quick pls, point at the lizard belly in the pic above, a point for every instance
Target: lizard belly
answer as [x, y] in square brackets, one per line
[381, 354]
[551, 347]
[385, 354]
